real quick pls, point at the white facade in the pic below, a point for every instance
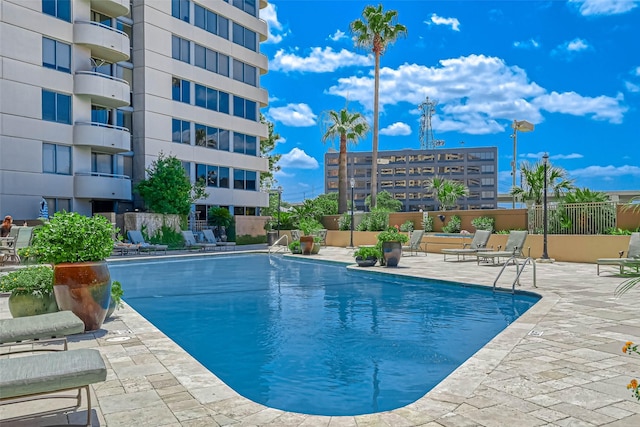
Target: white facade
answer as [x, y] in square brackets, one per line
[87, 101]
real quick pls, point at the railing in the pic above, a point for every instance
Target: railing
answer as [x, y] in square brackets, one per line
[574, 218]
[103, 125]
[519, 271]
[197, 224]
[104, 76]
[107, 175]
[280, 247]
[106, 27]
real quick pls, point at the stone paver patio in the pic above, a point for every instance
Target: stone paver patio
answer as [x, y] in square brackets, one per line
[560, 364]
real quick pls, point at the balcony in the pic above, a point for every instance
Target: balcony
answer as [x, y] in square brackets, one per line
[104, 90]
[113, 8]
[108, 138]
[102, 186]
[106, 43]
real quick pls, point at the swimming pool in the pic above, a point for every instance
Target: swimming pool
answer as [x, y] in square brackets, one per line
[313, 337]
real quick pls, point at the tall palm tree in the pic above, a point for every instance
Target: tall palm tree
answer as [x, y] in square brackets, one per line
[375, 31]
[349, 127]
[532, 188]
[447, 191]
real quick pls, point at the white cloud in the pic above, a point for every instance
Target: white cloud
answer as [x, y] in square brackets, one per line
[298, 159]
[577, 45]
[477, 94]
[439, 20]
[319, 60]
[338, 35]
[538, 155]
[527, 44]
[605, 171]
[398, 128]
[631, 87]
[604, 7]
[599, 108]
[636, 71]
[568, 50]
[294, 115]
[276, 29]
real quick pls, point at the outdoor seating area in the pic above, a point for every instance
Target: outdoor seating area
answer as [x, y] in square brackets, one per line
[19, 237]
[630, 261]
[514, 247]
[136, 238]
[478, 243]
[415, 243]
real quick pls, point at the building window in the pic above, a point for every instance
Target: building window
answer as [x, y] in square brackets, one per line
[181, 90]
[211, 60]
[58, 205]
[245, 108]
[56, 159]
[61, 9]
[56, 55]
[248, 6]
[213, 176]
[102, 163]
[244, 144]
[100, 114]
[244, 180]
[56, 107]
[244, 73]
[488, 194]
[180, 9]
[211, 22]
[180, 49]
[244, 37]
[180, 131]
[488, 169]
[210, 137]
[212, 99]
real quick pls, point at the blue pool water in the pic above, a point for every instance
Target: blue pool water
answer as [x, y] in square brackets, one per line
[313, 337]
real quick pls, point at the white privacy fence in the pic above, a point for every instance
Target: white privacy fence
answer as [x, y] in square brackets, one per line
[574, 218]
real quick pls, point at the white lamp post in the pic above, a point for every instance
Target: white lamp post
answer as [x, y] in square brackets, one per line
[522, 126]
[353, 184]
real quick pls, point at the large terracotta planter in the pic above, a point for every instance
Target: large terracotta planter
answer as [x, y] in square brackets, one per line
[21, 305]
[306, 244]
[85, 289]
[391, 251]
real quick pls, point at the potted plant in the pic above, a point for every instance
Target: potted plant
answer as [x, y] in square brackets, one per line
[308, 226]
[31, 291]
[78, 246]
[390, 244]
[294, 247]
[116, 298]
[366, 256]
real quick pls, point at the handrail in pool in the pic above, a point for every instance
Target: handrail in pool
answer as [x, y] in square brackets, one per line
[286, 247]
[519, 271]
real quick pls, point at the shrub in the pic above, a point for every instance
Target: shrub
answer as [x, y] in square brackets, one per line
[427, 223]
[117, 293]
[453, 226]
[247, 239]
[344, 222]
[406, 226]
[37, 280]
[392, 234]
[294, 247]
[367, 252]
[483, 223]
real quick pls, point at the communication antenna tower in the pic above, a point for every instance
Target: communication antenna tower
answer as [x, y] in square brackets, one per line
[427, 140]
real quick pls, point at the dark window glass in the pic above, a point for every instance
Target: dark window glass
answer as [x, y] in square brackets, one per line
[223, 177]
[251, 145]
[238, 143]
[212, 176]
[238, 179]
[251, 180]
[176, 127]
[223, 64]
[56, 55]
[49, 7]
[238, 34]
[223, 27]
[175, 89]
[250, 39]
[238, 106]
[186, 91]
[212, 137]
[250, 7]
[48, 53]
[175, 47]
[201, 96]
[250, 75]
[223, 140]
[212, 99]
[212, 22]
[201, 135]
[200, 56]
[201, 172]
[199, 16]
[238, 70]
[175, 8]
[212, 61]
[99, 114]
[251, 111]
[48, 158]
[223, 99]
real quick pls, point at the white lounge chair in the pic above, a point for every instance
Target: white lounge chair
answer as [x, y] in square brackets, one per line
[513, 247]
[478, 243]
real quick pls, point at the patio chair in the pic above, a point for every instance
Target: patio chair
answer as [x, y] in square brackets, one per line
[209, 237]
[123, 248]
[39, 329]
[191, 243]
[415, 243]
[136, 238]
[19, 237]
[631, 260]
[513, 247]
[478, 243]
[37, 376]
[322, 234]
[295, 235]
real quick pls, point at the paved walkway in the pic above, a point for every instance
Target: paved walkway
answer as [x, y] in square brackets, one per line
[560, 364]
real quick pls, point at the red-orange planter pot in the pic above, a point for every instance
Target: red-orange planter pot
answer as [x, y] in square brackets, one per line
[85, 289]
[306, 244]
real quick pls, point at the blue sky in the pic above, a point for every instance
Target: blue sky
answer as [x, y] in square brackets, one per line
[570, 67]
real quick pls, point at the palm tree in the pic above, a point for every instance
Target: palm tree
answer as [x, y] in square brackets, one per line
[585, 195]
[349, 127]
[375, 31]
[532, 187]
[447, 191]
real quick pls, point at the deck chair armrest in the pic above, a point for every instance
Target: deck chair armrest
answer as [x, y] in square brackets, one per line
[620, 253]
[465, 245]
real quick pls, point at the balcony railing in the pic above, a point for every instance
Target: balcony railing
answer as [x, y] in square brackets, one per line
[109, 138]
[97, 185]
[106, 90]
[105, 42]
[574, 218]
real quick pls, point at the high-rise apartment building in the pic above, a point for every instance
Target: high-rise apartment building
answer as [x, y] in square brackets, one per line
[93, 91]
[405, 174]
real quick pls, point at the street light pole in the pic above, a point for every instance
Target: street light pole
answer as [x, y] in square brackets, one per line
[545, 255]
[279, 199]
[522, 126]
[353, 184]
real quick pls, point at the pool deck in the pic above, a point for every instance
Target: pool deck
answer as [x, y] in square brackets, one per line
[560, 364]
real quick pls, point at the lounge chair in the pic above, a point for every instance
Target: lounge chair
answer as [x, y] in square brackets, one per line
[39, 329]
[322, 234]
[31, 377]
[631, 260]
[136, 238]
[415, 243]
[513, 247]
[19, 237]
[190, 242]
[478, 243]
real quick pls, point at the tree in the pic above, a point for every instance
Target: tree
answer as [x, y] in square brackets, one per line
[585, 195]
[386, 202]
[167, 189]
[447, 191]
[349, 127]
[267, 145]
[532, 188]
[375, 31]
